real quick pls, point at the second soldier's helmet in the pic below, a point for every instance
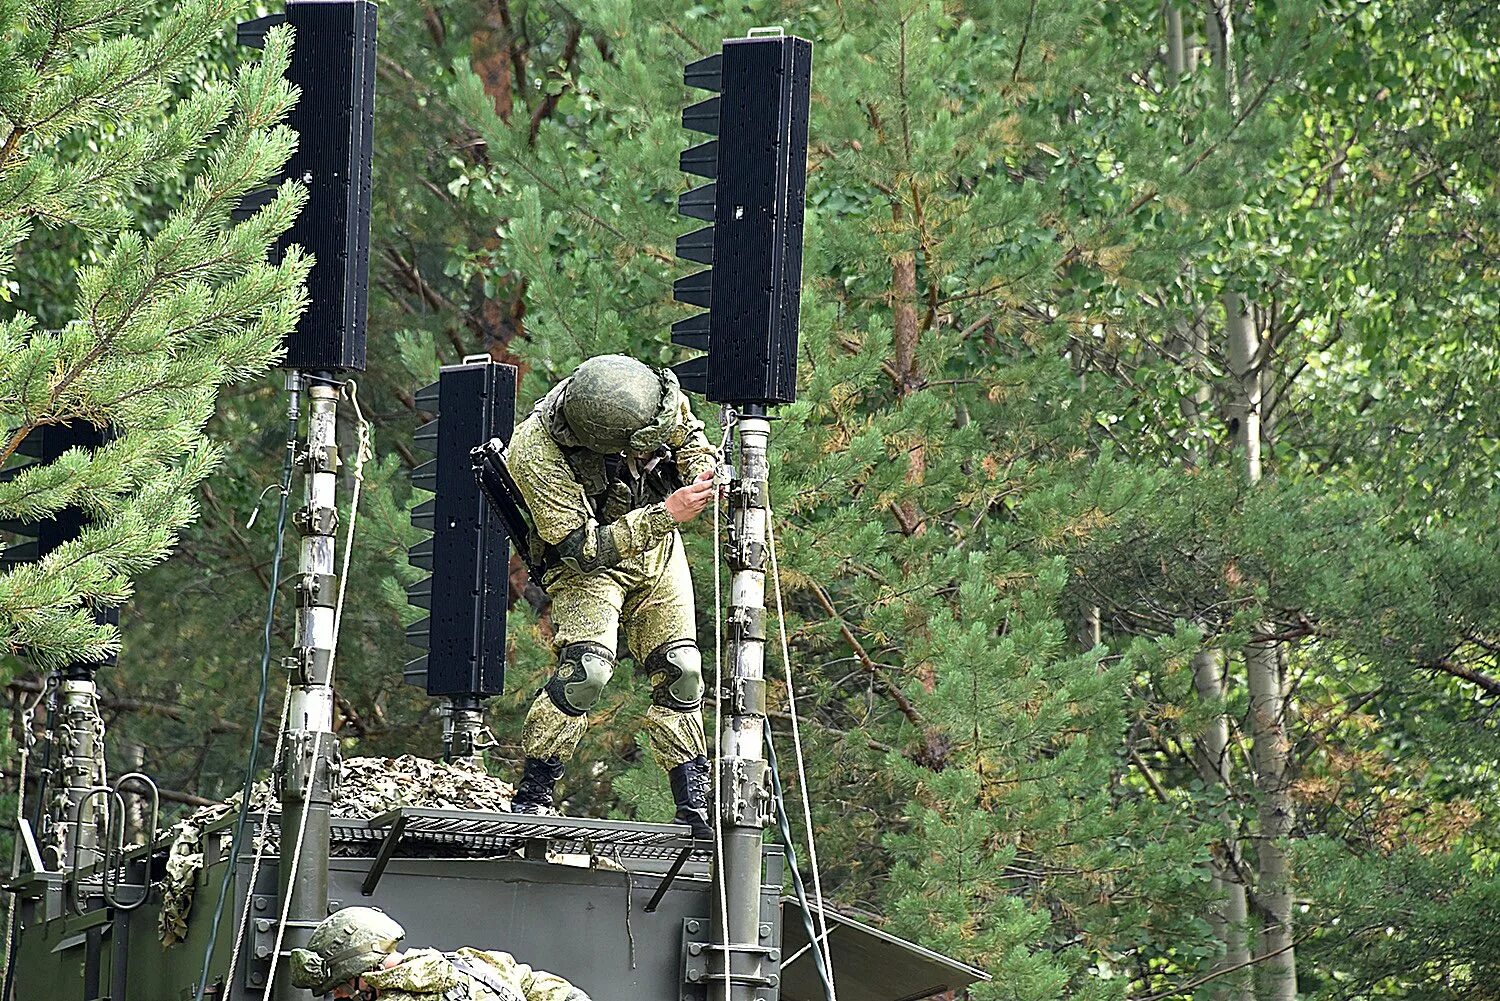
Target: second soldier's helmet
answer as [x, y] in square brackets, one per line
[614, 403]
[346, 944]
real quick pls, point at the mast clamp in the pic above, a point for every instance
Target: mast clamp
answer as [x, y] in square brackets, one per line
[311, 665]
[746, 696]
[757, 966]
[316, 520]
[747, 622]
[321, 459]
[747, 554]
[747, 792]
[318, 590]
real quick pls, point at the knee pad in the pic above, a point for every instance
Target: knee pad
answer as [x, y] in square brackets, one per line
[583, 669]
[676, 672]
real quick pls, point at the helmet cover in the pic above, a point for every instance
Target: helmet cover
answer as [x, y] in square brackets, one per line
[614, 403]
[347, 943]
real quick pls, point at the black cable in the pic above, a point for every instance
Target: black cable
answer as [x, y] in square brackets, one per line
[54, 684]
[784, 828]
[50, 694]
[260, 703]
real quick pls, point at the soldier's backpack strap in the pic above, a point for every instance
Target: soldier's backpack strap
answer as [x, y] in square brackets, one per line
[486, 978]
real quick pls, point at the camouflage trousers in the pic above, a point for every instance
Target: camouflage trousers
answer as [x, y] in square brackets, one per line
[651, 595]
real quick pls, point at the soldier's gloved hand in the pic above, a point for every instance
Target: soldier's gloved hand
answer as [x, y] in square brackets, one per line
[688, 502]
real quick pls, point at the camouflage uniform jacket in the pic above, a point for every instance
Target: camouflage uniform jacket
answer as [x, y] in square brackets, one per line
[429, 975]
[590, 511]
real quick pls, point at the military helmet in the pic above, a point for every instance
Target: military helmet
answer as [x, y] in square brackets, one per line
[344, 945]
[614, 403]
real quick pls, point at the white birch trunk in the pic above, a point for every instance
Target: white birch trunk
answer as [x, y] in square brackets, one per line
[1230, 916]
[1176, 51]
[1268, 723]
[1271, 749]
[1230, 920]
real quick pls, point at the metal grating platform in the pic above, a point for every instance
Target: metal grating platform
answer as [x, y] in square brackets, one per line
[419, 831]
[481, 831]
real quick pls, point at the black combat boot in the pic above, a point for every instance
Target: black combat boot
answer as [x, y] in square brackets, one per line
[534, 792]
[690, 793]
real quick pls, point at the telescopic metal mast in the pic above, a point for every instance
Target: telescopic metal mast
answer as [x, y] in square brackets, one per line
[756, 167]
[333, 64]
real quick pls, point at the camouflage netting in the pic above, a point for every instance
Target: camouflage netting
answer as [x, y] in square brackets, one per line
[367, 787]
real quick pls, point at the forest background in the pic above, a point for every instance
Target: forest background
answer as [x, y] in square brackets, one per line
[1136, 518]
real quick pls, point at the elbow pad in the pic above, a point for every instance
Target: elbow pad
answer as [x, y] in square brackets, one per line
[589, 548]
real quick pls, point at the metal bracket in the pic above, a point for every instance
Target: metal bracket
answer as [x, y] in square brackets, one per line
[747, 696]
[304, 747]
[312, 665]
[703, 961]
[383, 856]
[750, 554]
[323, 459]
[459, 744]
[666, 881]
[746, 622]
[747, 795]
[262, 937]
[316, 520]
[318, 590]
[751, 493]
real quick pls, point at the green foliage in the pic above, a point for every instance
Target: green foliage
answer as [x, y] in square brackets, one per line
[1012, 412]
[922, 508]
[160, 320]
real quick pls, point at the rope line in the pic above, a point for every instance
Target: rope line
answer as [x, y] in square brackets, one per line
[27, 719]
[362, 452]
[728, 420]
[784, 828]
[293, 415]
[791, 698]
[291, 880]
[263, 837]
[350, 392]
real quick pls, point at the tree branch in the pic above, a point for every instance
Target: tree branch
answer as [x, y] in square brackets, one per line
[1484, 681]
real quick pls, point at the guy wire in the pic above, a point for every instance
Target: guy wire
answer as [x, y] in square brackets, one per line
[791, 699]
[49, 725]
[728, 419]
[260, 843]
[350, 392]
[784, 828]
[27, 719]
[286, 900]
[293, 413]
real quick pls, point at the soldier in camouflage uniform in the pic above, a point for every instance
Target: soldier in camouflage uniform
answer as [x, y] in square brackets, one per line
[352, 954]
[600, 462]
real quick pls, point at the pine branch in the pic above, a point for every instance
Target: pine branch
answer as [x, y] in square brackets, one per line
[1189, 985]
[1443, 665]
[871, 668]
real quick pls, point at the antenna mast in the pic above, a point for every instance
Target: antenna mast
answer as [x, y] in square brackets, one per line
[333, 63]
[757, 171]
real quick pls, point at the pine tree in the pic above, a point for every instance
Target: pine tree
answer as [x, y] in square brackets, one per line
[925, 480]
[1012, 364]
[168, 306]
[426, 309]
